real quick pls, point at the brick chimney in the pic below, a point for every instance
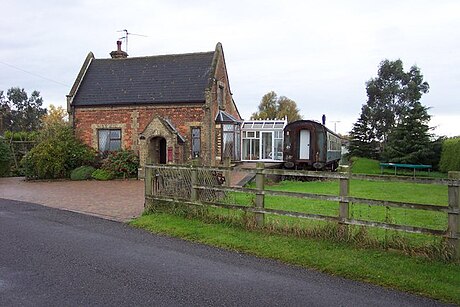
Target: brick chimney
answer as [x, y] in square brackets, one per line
[118, 54]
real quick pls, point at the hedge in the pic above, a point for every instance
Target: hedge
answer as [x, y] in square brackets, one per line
[5, 159]
[450, 156]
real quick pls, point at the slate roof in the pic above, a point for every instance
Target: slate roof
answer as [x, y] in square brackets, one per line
[146, 80]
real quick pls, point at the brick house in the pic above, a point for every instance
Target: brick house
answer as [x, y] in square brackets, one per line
[166, 108]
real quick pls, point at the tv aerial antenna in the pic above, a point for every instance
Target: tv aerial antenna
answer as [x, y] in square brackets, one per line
[127, 34]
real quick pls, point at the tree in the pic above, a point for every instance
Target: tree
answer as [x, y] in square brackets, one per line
[5, 114]
[362, 138]
[55, 115]
[272, 107]
[287, 108]
[19, 112]
[391, 96]
[409, 141]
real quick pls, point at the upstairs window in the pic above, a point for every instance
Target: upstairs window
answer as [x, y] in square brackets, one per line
[109, 139]
[196, 142]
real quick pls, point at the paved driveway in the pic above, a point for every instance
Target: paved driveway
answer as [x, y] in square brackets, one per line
[119, 200]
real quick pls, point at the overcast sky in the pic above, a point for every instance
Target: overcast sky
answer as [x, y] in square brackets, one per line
[318, 53]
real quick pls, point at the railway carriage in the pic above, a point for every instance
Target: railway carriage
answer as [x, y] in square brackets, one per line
[310, 145]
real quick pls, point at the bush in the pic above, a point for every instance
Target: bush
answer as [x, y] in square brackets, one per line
[102, 174]
[57, 154]
[82, 173]
[122, 163]
[450, 156]
[5, 159]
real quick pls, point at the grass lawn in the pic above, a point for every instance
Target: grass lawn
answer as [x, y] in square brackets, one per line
[417, 275]
[372, 167]
[394, 191]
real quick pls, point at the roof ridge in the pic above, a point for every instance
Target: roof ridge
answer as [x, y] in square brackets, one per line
[160, 55]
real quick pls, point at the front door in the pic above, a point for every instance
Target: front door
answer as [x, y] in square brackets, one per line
[157, 151]
[304, 147]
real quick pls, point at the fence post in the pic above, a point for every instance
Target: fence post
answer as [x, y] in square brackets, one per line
[227, 172]
[344, 190]
[453, 226]
[148, 181]
[260, 198]
[194, 182]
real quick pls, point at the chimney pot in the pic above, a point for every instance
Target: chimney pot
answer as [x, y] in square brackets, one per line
[119, 54]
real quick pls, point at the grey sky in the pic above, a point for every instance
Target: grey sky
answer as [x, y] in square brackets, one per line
[318, 53]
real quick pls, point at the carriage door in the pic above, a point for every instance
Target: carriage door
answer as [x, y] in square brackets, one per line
[304, 147]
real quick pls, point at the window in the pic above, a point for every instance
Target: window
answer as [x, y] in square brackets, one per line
[196, 142]
[231, 141]
[109, 139]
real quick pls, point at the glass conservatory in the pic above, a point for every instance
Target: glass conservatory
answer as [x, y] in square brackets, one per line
[262, 140]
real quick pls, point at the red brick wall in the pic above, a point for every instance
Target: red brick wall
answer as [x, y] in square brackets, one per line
[179, 116]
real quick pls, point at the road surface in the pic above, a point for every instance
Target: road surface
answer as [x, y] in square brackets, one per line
[50, 257]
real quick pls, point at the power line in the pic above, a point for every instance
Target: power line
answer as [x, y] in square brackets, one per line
[34, 74]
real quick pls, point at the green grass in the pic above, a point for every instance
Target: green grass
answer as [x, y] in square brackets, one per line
[417, 275]
[372, 167]
[392, 191]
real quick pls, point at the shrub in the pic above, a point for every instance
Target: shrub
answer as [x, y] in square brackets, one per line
[57, 154]
[82, 173]
[122, 163]
[102, 174]
[450, 156]
[5, 159]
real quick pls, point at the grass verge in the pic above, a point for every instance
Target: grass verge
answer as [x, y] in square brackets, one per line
[434, 279]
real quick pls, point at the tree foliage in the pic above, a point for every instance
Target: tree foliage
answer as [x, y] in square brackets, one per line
[362, 138]
[409, 141]
[392, 110]
[54, 115]
[271, 106]
[19, 111]
[5, 158]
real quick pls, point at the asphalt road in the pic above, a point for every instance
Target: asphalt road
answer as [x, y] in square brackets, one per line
[50, 257]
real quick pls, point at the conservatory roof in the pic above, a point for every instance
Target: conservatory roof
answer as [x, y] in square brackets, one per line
[264, 125]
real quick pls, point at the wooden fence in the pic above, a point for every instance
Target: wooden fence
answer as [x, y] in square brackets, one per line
[203, 186]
